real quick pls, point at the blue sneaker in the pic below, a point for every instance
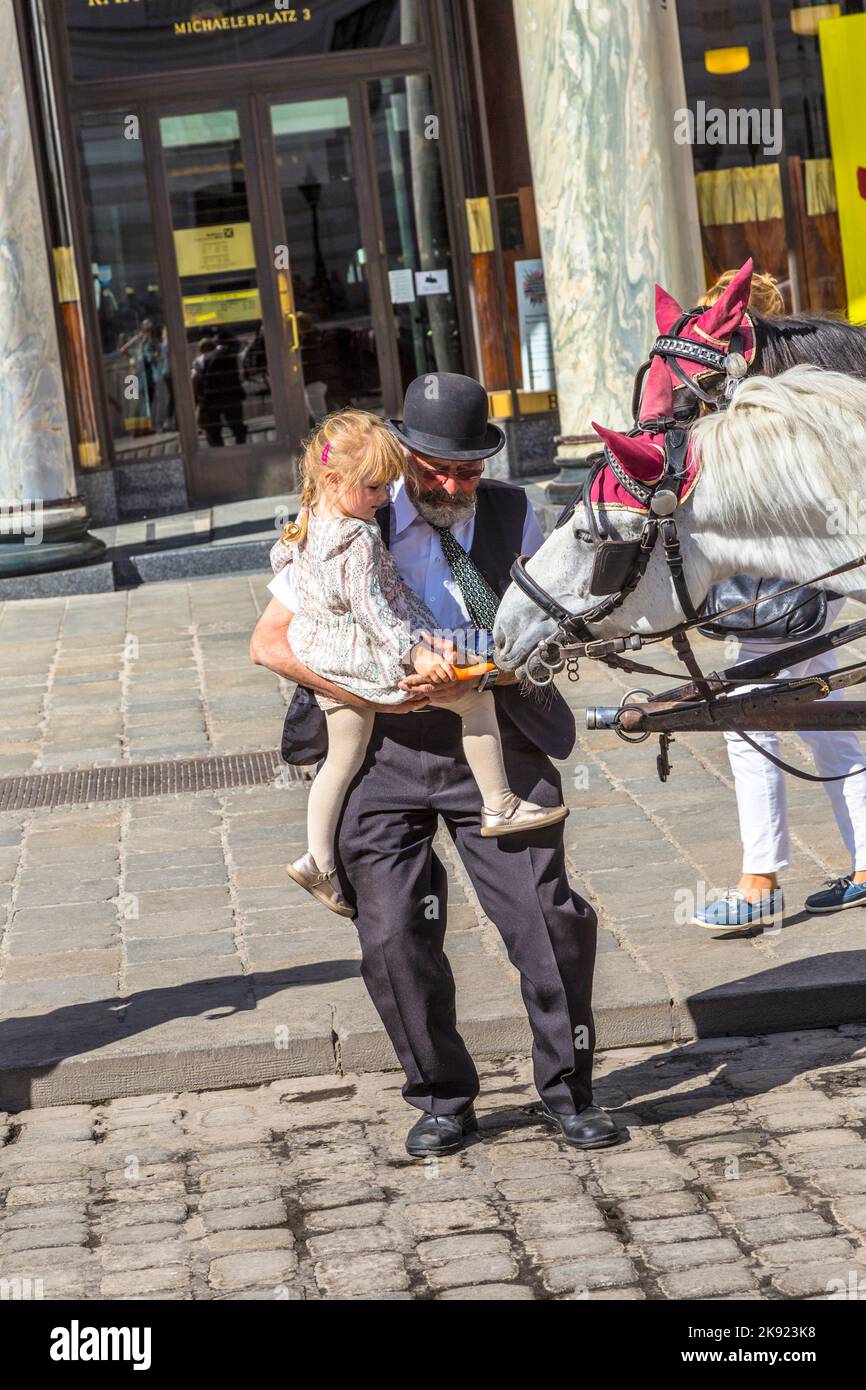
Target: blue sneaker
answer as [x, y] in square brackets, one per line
[839, 893]
[733, 912]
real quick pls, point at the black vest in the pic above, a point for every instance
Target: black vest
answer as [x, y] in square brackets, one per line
[544, 718]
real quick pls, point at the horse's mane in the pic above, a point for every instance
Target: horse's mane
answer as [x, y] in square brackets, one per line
[786, 448]
[791, 339]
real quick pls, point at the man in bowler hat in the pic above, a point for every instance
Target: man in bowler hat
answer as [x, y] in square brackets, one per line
[454, 536]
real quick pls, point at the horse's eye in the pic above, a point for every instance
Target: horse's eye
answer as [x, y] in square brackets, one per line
[583, 536]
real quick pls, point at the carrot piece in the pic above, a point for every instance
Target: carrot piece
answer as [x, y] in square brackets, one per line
[467, 673]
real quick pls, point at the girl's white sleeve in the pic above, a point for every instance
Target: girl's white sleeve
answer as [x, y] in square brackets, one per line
[283, 586]
[283, 589]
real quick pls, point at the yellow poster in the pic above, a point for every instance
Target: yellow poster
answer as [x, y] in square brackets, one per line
[203, 250]
[211, 310]
[843, 57]
[480, 222]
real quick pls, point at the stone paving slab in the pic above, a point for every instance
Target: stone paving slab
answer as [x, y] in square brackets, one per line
[743, 1176]
[159, 941]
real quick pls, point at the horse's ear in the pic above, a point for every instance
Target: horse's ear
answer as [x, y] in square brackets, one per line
[636, 452]
[726, 315]
[667, 310]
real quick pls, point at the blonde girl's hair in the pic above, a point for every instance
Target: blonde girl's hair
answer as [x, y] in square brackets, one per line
[765, 296]
[354, 444]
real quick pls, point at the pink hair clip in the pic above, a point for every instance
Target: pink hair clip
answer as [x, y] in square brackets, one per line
[325, 452]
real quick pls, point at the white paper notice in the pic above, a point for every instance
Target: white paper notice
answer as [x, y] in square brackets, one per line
[402, 286]
[536, 348]
[431, 281]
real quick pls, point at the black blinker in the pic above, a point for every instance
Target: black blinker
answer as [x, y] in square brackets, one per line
[612, 566]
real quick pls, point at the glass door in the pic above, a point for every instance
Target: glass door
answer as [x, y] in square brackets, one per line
[367, 280]
[233, 405]
[416, 243]
[337, 333]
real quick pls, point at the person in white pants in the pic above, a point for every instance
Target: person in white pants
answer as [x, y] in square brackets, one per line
[762, 804]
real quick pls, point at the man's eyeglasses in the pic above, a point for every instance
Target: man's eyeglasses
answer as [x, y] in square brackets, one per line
[467, 473]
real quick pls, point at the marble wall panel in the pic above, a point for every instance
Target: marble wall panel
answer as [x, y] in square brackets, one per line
[615, 193]
[35, 449]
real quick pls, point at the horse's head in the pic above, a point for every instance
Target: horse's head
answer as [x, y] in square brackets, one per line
[593, 552]
[695, 355]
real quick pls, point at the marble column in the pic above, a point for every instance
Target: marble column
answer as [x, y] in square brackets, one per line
[37, 474]
[615, 193]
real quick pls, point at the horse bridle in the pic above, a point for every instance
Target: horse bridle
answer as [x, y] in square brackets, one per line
[618, 565]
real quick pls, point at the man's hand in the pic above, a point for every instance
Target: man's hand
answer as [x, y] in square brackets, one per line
[422, 685]
[407, 707]
[451, 690]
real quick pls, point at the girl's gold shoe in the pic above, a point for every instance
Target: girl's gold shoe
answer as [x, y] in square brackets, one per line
[324, 887]
[520, 815]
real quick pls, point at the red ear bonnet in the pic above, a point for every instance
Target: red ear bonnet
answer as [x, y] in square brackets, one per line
[667, 310]
[713, 329]
[639, 454]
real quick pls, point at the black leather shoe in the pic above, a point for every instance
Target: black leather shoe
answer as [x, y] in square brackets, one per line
[440, 1134]
[590, 1128]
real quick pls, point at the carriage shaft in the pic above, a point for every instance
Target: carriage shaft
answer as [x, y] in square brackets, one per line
[736, 716]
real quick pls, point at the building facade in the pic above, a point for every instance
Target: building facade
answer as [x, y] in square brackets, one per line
[227, 218]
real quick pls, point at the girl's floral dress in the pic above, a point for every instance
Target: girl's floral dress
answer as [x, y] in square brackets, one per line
[357, 620]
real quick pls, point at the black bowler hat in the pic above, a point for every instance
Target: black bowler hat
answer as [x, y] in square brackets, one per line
[445, 417]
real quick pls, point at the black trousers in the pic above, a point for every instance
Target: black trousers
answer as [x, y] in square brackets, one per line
[211, 419]
[414, 773]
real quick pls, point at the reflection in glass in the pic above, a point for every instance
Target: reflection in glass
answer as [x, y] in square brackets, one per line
[416, 230]
[739, 171]
[327, 305]
[132, 333]
[213, 244]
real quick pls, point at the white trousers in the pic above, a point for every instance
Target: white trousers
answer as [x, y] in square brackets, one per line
[762, 800]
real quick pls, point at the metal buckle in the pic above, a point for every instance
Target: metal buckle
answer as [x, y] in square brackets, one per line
[624, 705]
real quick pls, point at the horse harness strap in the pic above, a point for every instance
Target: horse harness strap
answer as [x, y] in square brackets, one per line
[796, 771]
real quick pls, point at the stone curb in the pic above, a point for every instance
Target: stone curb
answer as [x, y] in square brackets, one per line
[356, 1043]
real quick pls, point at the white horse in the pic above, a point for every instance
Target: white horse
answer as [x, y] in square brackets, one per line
[782, 491]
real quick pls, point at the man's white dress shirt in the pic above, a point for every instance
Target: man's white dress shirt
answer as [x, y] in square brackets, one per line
[417, 551]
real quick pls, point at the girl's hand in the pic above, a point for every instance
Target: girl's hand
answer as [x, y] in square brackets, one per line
[430, 664]
[443, 645]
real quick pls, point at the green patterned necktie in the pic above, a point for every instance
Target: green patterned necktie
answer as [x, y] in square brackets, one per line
[481, 601]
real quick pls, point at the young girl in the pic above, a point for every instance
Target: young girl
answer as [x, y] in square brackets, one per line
[361, 627]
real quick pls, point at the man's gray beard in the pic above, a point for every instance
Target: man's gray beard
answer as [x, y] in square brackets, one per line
[445, 513]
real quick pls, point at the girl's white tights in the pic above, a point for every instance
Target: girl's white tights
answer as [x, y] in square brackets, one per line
[349, 732]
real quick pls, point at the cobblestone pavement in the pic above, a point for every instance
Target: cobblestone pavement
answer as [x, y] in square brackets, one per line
[123, 925]
[744, 1177]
